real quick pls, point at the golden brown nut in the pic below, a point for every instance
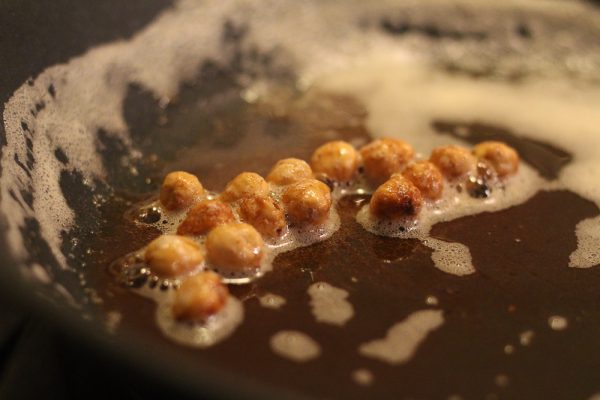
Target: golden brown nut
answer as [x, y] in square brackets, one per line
[236, 246]
[199, 297]
[170, 256]
[264, 214]
[502, 158]
[204, 216]
[338, 160]
[426, 177]
[307, 201]
[396, 198]
[454, 161]
[383, 157]
[180, 190]
[288, 171]
[246, 184]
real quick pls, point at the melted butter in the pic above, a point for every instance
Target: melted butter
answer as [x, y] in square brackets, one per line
[329, 305]
[526, 337]
[272, 301]
[363, 377]
[403, 339]
[195, 334]
[295, 346]
[558, 323]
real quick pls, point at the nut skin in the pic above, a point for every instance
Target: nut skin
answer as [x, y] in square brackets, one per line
[307, 202]
[384, 157]
[170, 256]
[204, 216]
[199, 297]
[264, 214]
[246, 184]
[503, 159]
[396, 198]
[454, 162]
[338, 160]
[288, 171]
[235, 246]
[426, 177]
[180, 190]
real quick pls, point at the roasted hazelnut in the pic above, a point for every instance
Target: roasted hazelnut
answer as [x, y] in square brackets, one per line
[236, 246]
[199, 297]
[204, 216]
[501, 158]
[288, 171]
[264, 214]
[396, 198]
[338, 160]
[307, 201]
[246, 184]
[426, 177]
[180, 190]
[383, 157]
[170, 256]
[454, 161]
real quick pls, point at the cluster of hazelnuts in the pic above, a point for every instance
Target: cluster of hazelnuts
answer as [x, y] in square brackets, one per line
[293, 192]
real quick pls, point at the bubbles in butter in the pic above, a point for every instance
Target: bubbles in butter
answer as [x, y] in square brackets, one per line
[292, 237]
[329, 304]
[295, 346]
[453, 258]
[403, 339]
[587, 253]
[195, 334]
[363, 377]
[272, 301]
[450, 257]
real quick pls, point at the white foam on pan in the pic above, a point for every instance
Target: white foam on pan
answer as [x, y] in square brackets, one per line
[363, 377]
[318, 38]
[451, 257]
[329, 304]
[295, 346]
[587, 253]
[272, 301]
[403, 339]
[201, 335]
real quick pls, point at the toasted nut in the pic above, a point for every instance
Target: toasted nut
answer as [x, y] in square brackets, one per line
[180, 190]
[246, 184]
[383, 157]
[502, 158]
[426, 177]
[307, 201]
[264, 214]
[170, 256]
[235, 246]
[338, 160]
[199, 297]
[288, 171]
[204, 216]
[396, 198]
[454, 161]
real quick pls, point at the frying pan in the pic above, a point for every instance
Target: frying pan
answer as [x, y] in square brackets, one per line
[35, 37]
